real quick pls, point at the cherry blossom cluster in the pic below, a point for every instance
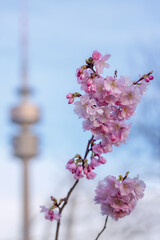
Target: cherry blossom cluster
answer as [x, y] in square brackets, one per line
[118, 197]
[80, 167]
[50, 213]
[106, 105]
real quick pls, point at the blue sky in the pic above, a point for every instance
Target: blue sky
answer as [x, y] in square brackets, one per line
[62, 34]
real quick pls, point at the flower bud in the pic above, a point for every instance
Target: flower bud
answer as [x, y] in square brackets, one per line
[151, 77]
[71, 100]
[69, 95]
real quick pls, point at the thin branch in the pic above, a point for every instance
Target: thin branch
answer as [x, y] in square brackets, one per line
[105, 224]
[57, 229]
[144, 76]
[68, 195]
[64, 204]
[87, 149]
[71, 190]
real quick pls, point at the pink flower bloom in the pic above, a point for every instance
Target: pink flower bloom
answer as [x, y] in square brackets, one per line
[113, 85]
[83, 76]
[78, 173]
[94, 162]
[126, 186]
[88, 172]
[50, 214]
[84, 107]
[120, 131]
[127, 111]
[96, 55]
[89, 82]
[102, 160]
[139, 187]
[71, 166]
[101, 64]
[130, 96]
[117, 198]
[78, 72]
[99, 83]
[91, 88]
[98, 149]
[105, 105]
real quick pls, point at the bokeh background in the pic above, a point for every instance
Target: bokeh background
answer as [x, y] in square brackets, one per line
[62, 34]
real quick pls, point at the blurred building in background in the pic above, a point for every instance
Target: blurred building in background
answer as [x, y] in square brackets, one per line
[25, 114]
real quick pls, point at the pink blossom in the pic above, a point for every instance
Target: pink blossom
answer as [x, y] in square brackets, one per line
[71, 166]
[102, 160]
[98, 149]
[126, 186]
[88, 172]
[86, 108]
[100, 91]
[78, 173]
[130, 95]
[147, 79]
[78, 72]
[105, 106]
[50, 214]
[139, 187]
[101, 63]
[96, 55]
[127, 111]
[80, 167]
[90, 88]
[151, 77]
[120, 131]
[113, 85]
[75, 168]
[116, 197]
[69, 95]
[83, 76]
[105, 142]
[71, 100]
[94, 162]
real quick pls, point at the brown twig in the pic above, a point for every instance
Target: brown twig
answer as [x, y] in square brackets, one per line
[105, 224]
[57, 229]
[144, 76]
[65, 200]
[87, 149]
[68, 195]
[62, 207]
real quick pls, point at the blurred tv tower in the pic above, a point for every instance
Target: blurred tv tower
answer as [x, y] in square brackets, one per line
[25, 114]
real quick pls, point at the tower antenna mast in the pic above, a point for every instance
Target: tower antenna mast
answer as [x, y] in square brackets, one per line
[25, 143]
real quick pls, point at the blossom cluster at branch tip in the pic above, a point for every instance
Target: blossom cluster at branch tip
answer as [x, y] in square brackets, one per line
[72, 96]
[149, 78]
[118, 197]
[50, 213]
[80, 167]
[106, 105]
